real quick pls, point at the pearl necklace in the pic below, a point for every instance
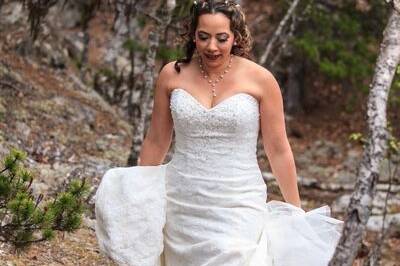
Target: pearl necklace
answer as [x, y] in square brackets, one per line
[213, 83]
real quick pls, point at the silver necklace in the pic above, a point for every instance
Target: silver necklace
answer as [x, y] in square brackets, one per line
[213, 83]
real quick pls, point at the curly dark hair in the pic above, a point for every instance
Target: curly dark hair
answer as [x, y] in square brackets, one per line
[238, 26]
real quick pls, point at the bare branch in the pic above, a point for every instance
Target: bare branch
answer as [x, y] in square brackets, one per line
[278, 32]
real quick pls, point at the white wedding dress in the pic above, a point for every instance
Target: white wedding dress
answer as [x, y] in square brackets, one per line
[207, 206]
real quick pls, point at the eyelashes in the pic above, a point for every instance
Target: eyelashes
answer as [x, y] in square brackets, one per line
[219, 40]
[222, 40]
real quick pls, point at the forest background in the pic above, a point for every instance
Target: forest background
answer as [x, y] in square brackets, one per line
[76, 80]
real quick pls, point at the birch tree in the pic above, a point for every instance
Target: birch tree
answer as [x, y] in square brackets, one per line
[360, 205]
[278, 32]
[163, 18]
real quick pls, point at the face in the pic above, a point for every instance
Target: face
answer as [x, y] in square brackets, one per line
[214, 39]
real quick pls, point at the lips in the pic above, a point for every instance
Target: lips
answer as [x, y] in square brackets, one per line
[212, 57]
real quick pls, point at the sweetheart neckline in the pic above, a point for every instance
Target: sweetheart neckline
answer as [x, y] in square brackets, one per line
[218, 104]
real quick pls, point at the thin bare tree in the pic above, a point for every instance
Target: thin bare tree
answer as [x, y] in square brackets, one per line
[360, 205]
[164, 14]
[278, 32]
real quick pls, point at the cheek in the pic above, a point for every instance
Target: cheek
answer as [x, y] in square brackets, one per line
[227, 46]
[200, 47]
[200, 44]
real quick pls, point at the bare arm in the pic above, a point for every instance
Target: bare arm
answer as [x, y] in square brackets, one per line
[275, 141]
[159, 136]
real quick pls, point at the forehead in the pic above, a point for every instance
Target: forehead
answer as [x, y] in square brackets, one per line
[214, 23]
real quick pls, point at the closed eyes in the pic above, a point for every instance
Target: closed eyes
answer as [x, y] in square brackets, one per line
[221, 37]
[219, 40]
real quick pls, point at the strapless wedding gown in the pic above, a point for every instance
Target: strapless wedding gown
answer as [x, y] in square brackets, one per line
[207, 205]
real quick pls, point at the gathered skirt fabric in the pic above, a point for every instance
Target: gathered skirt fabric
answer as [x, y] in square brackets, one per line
[161, 216]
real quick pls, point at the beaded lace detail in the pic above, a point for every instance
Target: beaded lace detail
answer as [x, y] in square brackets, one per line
[223, 135]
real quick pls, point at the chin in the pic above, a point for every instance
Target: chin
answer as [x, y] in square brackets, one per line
[212, 62]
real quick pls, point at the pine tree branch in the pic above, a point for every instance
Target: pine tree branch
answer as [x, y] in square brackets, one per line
[20, 217]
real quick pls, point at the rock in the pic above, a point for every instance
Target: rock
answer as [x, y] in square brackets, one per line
[2, 250]
[3, 146]
[11, 12]
[23, 129]
[312, 182]
[375, 222]
[387, 170]
[303, 160]
[39, 187]
[67, 15]
[53, 175]
[384, 187]
[379, 202]
[326, 149]
[307, 181]
[90, 223]
[341, 203]
[51, 55]
[57, 60]
[2, 109]
[334, 186]
[345, 178]
[74, 45]
[123, 63]
[105, 141]
[352, 160]
[320, 171]
[268, 177]
[77, 83]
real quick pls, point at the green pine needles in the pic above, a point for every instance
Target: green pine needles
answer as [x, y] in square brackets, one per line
[341, 41]
[23, 218]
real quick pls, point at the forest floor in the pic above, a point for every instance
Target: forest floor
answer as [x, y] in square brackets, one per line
[63, 127]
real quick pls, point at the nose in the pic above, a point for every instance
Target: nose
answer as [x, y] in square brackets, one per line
[212, 45]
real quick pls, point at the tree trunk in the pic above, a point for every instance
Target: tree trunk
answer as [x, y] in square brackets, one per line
[359, 209]
[121, 32]
[164, 13]
[278, 32]
[88, 10]
[293, 88]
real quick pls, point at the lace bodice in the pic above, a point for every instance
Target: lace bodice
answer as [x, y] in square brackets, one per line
[221, 138]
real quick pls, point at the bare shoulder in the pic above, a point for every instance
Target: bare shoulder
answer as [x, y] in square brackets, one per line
[166, 76]
[265, 81]
[171, 78]
[168, 71]
[255, 70]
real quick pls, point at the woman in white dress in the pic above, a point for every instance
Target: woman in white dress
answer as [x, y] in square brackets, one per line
[206, 206]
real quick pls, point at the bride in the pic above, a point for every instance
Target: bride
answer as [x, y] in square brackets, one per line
[206, 206]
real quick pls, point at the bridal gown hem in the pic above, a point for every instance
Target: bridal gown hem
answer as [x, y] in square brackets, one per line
[206, 206]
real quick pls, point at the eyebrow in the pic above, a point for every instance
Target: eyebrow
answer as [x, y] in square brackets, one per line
[218, 34]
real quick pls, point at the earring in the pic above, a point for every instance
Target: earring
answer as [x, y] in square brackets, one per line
[235, 43]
